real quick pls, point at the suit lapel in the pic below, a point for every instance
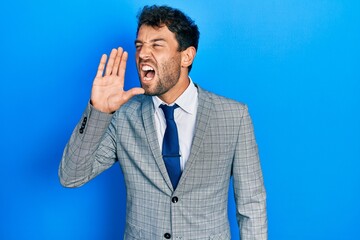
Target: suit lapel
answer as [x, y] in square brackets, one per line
[202, 119]
[150, 131]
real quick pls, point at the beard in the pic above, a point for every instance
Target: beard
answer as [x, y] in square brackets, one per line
[168, 75]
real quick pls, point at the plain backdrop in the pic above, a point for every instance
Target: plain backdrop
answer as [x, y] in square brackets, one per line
[294, 63]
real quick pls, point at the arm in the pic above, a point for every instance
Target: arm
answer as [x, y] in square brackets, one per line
[92, 146]
[249, 187]
[90, 150]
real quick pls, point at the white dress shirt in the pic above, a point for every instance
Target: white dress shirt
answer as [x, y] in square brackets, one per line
[185, 117]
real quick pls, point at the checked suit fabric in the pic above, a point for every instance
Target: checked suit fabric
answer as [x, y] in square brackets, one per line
[223, 148]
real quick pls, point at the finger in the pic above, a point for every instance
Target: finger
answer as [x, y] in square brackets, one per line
[133, 92]
[110, 63]
[101, 66]
[122, 67]
[117, 61]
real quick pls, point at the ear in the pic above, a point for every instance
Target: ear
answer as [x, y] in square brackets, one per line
[188, 56]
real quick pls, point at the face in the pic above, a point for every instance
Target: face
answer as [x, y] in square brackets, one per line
[158, 61]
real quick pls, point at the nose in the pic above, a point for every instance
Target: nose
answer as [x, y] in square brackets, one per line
[144, 52]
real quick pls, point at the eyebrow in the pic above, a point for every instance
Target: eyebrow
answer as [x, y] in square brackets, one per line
[152, 41]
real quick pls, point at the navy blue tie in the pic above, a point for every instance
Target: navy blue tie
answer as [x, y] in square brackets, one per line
[170, 146]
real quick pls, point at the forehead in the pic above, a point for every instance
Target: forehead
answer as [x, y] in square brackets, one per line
[148, 33]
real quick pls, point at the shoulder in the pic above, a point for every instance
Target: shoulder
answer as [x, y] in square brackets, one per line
[220, 104]
[133, 107]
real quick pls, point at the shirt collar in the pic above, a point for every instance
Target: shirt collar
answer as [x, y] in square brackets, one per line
[185, 101]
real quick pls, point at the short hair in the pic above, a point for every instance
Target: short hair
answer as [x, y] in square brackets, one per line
[185, 30]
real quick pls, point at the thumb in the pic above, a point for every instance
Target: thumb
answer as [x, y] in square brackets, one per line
[133, 92]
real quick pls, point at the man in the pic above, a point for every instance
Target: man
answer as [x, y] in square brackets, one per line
[177, 144]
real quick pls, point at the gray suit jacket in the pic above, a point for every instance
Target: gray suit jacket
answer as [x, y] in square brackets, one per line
[223, 146]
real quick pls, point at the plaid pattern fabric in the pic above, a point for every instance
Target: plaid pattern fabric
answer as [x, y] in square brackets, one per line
[224, 145]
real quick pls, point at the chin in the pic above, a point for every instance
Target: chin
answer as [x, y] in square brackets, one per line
[148, 91]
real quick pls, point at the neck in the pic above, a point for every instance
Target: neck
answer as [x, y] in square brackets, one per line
[174, 93]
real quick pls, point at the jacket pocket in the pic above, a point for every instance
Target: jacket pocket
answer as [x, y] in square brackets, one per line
[132, 232]
[220, 236]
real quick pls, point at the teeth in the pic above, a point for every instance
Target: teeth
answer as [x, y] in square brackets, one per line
[147, 68]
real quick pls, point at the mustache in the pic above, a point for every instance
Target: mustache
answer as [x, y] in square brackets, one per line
[147, 61]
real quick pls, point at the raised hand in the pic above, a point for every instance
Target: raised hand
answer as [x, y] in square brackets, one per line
[107, 94]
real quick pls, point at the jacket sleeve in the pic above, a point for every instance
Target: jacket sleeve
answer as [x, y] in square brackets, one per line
[248, 183]
[90, 150]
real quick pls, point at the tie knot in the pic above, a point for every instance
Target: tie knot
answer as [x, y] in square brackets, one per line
[169, 111]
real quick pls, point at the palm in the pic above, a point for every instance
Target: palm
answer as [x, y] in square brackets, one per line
[107, 94]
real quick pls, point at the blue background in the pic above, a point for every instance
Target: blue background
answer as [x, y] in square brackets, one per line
[295, 63]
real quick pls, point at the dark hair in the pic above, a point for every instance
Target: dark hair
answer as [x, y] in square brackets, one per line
[185, 30]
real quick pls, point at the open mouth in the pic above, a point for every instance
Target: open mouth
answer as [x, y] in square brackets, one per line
[149, 72]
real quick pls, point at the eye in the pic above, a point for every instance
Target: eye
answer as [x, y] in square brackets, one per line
[138, 46]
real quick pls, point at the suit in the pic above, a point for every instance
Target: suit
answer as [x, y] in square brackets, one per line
[224, 145]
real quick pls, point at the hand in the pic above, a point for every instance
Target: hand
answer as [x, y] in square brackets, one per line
[107, 93]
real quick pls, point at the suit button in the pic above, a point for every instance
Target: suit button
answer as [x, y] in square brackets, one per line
[84, 122]
[167, 235]
[81, 130]
[175, 199]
